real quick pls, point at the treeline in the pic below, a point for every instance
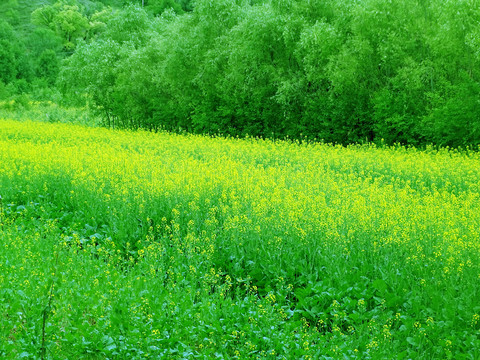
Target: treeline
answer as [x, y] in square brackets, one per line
[339, 71]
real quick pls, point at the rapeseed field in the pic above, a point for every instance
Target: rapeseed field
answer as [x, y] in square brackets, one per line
[135, 245]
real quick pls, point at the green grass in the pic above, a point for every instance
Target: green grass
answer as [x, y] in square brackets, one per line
[23, 108]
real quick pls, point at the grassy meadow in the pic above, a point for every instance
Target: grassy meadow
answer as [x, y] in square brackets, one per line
[135, 245]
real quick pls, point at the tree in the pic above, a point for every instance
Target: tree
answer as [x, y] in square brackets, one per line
[69, 22]
[8, 53]
[342, 71]
[157, 7]
[8, 63]
[132, 24]
[48, 66]
[45, 15]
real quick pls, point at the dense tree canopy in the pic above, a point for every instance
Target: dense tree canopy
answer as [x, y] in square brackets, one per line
[338, 71]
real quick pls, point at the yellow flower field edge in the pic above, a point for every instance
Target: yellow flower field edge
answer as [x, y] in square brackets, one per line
[120, 244]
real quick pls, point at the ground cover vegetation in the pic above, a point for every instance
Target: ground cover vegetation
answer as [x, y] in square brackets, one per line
[120, 244]
[341, 71]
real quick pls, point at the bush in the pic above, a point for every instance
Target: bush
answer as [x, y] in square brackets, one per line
[339, 71]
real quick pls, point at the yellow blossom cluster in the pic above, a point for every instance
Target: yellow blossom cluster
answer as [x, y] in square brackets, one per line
[214, 221]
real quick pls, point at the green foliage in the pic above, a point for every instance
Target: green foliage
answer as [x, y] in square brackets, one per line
[121, 244]
[455, 122]
[69, 22]
[8, 63]
[157, 7]
[48, 66]
[338, 71]
[41, 39]
[130, 25]
[34, 33]
[9, 11]
[44, 16]
[8, 53]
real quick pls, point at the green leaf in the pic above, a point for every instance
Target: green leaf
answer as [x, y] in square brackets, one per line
[411, 341]
[380, 285]
[111, 347]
